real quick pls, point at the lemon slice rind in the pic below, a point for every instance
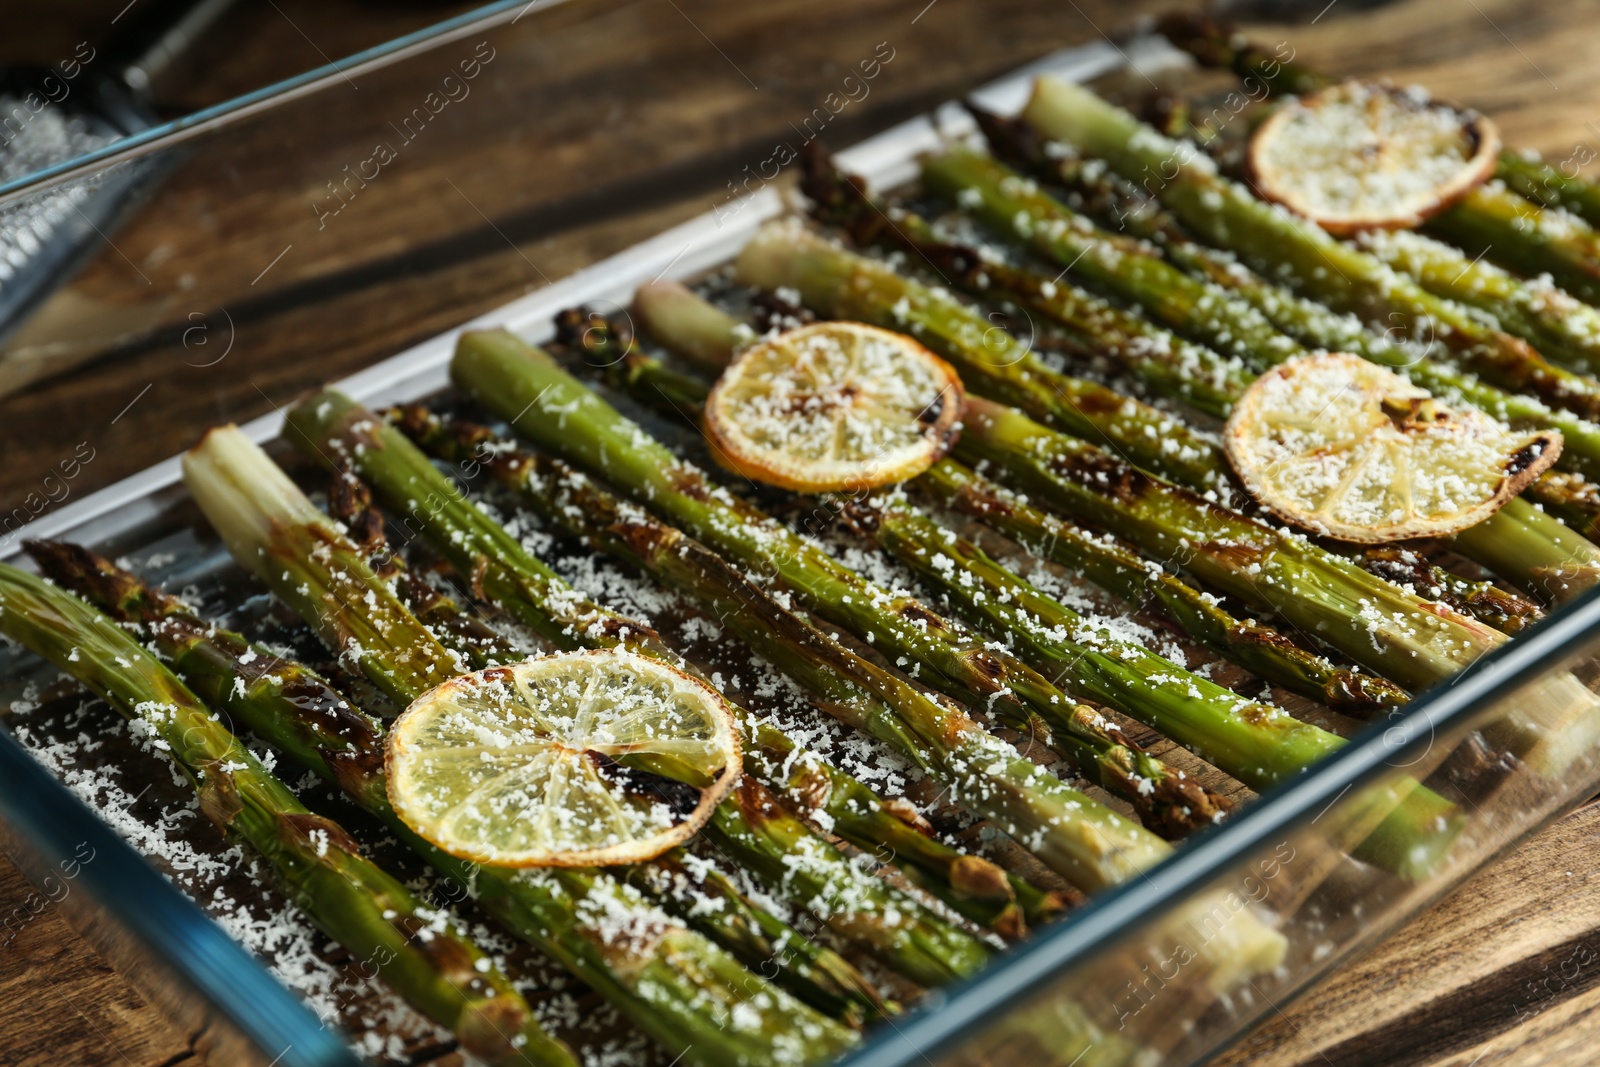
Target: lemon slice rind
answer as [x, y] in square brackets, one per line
[508, 766]
[1341, 447]
[834, 407]
[1367, 155]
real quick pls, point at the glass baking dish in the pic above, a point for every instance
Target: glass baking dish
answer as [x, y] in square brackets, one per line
[463, 176]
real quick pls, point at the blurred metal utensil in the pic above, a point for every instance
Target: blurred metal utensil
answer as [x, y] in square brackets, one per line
[52, 114]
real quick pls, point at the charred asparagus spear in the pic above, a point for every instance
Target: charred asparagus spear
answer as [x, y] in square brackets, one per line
[1217, 44]
[1118, 569]
[1517, 233]
[1551, 186]
[1112, 263]
[1552, 320]
[678, 987]
[415, 949]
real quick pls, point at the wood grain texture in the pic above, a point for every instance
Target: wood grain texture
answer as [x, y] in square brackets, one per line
[1502, 972]
[64, 1004]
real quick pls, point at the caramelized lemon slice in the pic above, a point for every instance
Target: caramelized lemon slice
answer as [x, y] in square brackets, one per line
[1360, 155]
[1342, 447]
[832, 407]
[578, 759]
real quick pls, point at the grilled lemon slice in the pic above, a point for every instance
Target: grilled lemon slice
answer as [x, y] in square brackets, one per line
[834, 407]
[1342, 447]
[1363, 155]
[578, 759]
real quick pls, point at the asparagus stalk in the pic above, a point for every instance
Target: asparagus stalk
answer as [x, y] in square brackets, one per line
[1259, 744]
[1558, 325]
[1550, 186]
[1572, 499]
[1479, 600]
[699, 331]
[676, 316]
[1515, 232]
[1117, 265]
[314, 723]
[692, 889]
[471, 639]
[623, 366]
[676, 985]
[960, 664]
[1216, 44]
[898, 928]
[415, 949]
[1295, 250]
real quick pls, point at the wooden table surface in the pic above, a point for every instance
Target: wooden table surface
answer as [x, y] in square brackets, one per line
[1444, 991]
